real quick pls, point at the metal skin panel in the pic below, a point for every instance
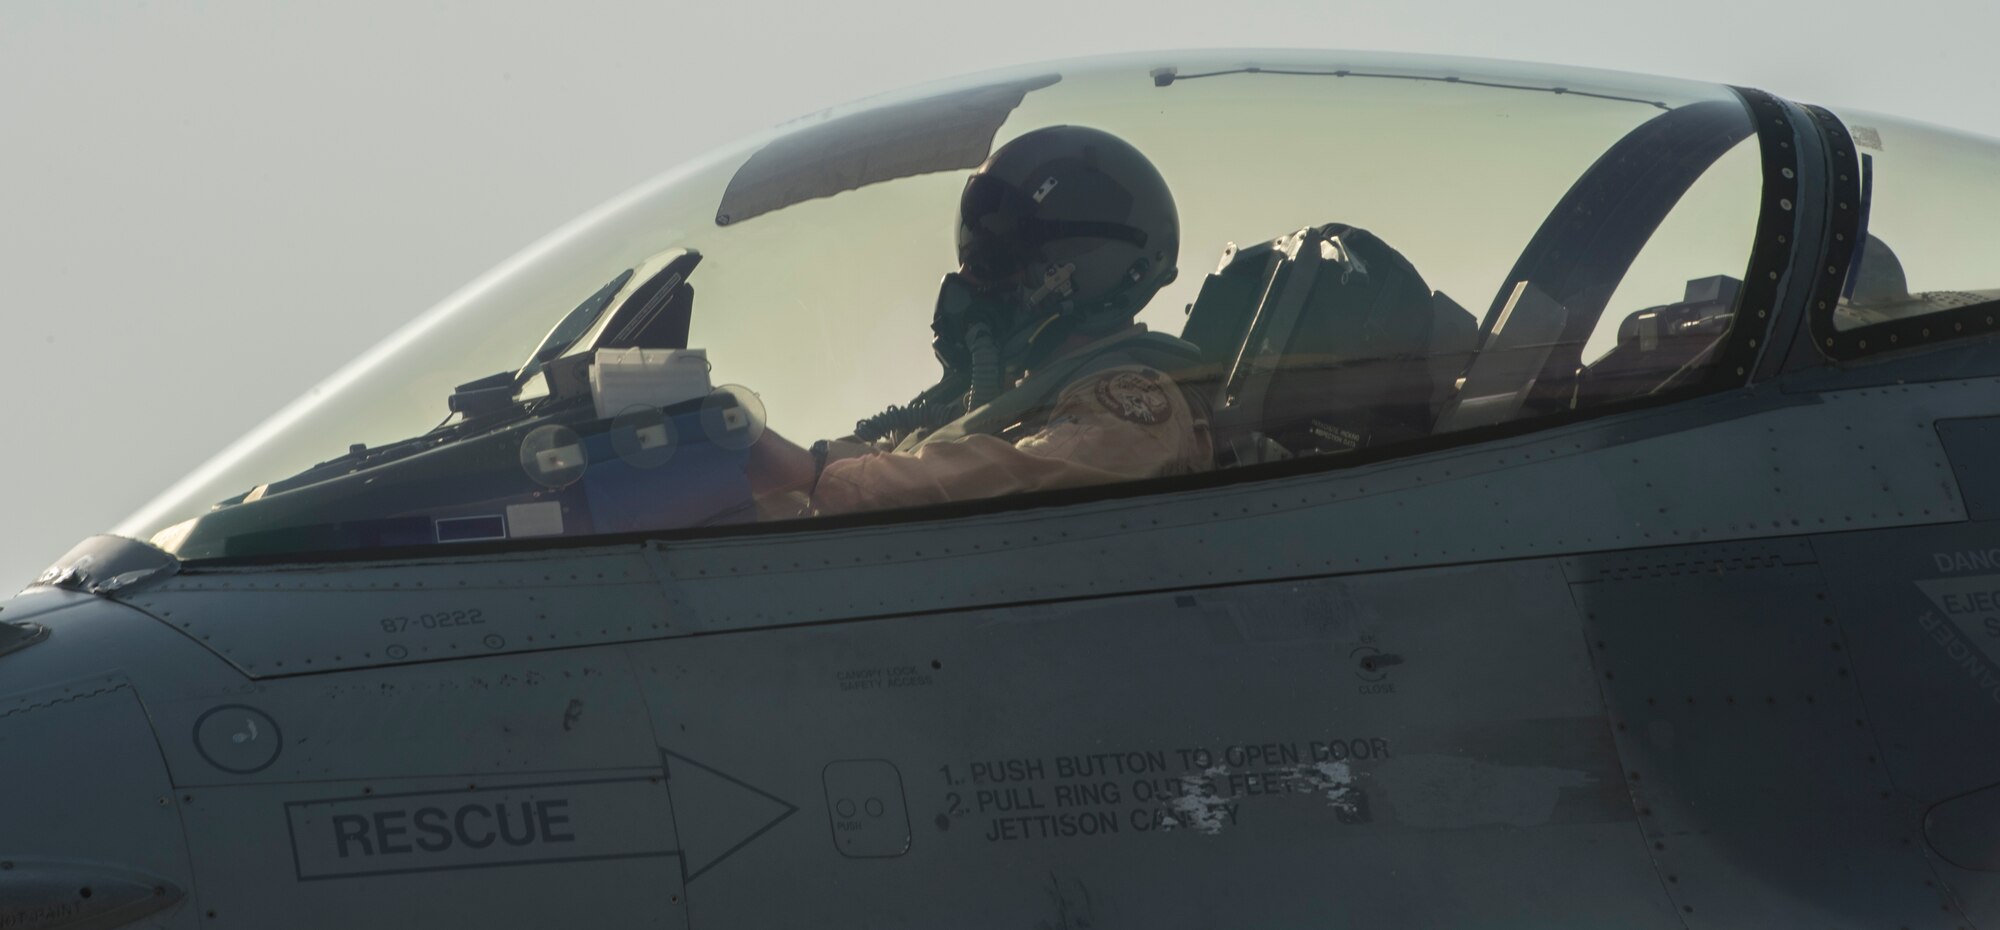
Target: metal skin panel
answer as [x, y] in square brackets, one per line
[1965, 831]
[35, 602]
[271, 624]
[96, 636]
[1974, 445]
[86, 796]
[1975, 892]
[1916, 605]
[1422, 748]
[1759, 783]
[583, 849]
[1926, 663]
[1727, 467]
[1968, 361]
[568, 710]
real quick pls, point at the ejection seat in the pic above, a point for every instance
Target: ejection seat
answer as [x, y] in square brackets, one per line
[1657, 349]
[1660, 348]
[1323, 340]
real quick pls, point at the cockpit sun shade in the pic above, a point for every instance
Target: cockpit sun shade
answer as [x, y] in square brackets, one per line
[939, 133]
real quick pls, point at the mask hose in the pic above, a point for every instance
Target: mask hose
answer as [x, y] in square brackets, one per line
[941, 404]
[985, 356]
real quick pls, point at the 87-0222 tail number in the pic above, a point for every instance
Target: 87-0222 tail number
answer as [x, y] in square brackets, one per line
[440, 620]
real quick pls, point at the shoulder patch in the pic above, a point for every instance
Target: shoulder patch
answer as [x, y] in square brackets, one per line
[1136, 396]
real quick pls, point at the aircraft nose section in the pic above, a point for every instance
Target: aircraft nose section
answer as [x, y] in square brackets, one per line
[90, 835]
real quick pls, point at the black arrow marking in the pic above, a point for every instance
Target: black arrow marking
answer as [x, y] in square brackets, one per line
[668, 759]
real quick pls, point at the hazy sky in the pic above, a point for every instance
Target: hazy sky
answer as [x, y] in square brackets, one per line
[207, 207]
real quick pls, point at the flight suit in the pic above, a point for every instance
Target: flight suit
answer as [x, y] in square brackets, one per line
[1113, 419]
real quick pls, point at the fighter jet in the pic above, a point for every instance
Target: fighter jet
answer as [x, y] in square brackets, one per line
[1175, 490]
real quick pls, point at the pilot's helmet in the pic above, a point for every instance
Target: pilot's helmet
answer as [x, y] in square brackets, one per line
[1076, 216]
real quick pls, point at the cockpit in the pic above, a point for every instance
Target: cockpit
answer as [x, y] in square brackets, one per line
[1375, 255]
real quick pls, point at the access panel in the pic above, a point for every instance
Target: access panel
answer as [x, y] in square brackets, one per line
[1407, 749]
[1760, 783]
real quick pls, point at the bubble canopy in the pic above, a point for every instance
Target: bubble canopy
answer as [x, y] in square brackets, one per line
[624, 374]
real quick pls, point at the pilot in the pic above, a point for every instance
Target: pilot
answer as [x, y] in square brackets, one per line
[1064, 235]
